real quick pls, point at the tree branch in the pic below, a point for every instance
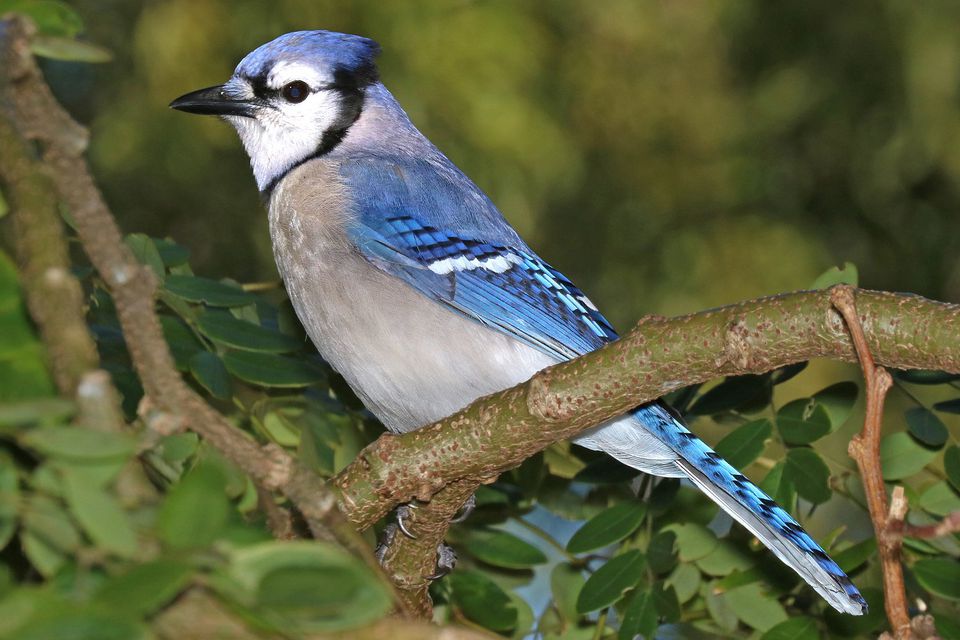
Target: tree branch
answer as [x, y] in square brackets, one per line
[659, 355]
[54, 296]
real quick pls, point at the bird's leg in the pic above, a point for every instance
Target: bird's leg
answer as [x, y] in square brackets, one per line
[465, 510]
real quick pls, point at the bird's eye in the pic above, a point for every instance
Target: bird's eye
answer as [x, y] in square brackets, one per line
[296, 91]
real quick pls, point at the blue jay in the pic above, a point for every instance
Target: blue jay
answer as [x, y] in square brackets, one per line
[413, 286]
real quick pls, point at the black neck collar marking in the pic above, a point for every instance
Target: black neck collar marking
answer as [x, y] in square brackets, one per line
[350, 84]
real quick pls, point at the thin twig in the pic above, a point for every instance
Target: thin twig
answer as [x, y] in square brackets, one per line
[279, 519]
[865, 449]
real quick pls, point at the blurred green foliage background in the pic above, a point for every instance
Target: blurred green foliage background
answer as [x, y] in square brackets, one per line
[669, 156]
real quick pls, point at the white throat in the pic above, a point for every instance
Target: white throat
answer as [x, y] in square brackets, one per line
[278, 138]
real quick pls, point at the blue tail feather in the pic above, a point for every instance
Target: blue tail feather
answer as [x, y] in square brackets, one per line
[750, 506]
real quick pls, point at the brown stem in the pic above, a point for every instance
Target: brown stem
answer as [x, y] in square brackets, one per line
[865, 449]
[278, 518]
[53, 294]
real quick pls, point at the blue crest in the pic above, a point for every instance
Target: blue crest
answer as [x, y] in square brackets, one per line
[341, 52]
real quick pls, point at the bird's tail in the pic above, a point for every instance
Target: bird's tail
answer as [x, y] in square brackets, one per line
[739, 497]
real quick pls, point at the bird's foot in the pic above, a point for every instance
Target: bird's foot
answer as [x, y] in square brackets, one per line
[446, 561]
[446, 556]
[465, 511]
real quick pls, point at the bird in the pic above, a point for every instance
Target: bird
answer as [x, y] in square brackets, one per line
[418, 292]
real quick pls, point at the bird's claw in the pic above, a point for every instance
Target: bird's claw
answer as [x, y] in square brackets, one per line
[403, 512]
[465, 511]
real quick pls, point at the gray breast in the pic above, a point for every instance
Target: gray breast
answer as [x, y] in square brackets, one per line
[411, 360]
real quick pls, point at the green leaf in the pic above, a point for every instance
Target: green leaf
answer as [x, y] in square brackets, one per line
[661, 554]
[566, 581]
[838, 399]
[948, 406]
[211, 373]
[561, 461]
[837, 275]
[611, 581]
[779, 486]
[694, 541]
[302, 587]
[99, 514]
[719, 608]
[793, 629]
[4, 207]
[47, 520]
[744, 444]
[9, 498]
[66, 624]
[923, 376]
[927, 427]
[481, 600]
[939, 499]
[77, 443]
[802, 421]
[45, 557]
[726, 558]
[281, 429]
[211, 292]
[781, 375]
[951, 465]
[755, 607]
[146, 253]
[144, 588]
[173, 254]
[736, 392]
[195, 510]
[901, 456]
[49, 16]
[502, 549]
[639, 617]
[240, 334]
[852, 557]
[666, 602]
[685, 580]
[182, 342]
[27, 412]
[609, 526]
[809, 474]
[271, 370]
[940, 576]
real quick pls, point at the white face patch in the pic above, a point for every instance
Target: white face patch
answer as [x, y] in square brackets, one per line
[284, 73]
[282, 133]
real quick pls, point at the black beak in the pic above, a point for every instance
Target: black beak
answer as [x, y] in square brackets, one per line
[213, 101]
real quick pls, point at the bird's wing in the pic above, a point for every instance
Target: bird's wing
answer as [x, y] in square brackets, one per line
[498, 282]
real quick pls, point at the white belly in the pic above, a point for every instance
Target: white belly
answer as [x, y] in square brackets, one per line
[411, 360]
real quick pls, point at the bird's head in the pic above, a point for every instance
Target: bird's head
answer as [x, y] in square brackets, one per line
[292, 99]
